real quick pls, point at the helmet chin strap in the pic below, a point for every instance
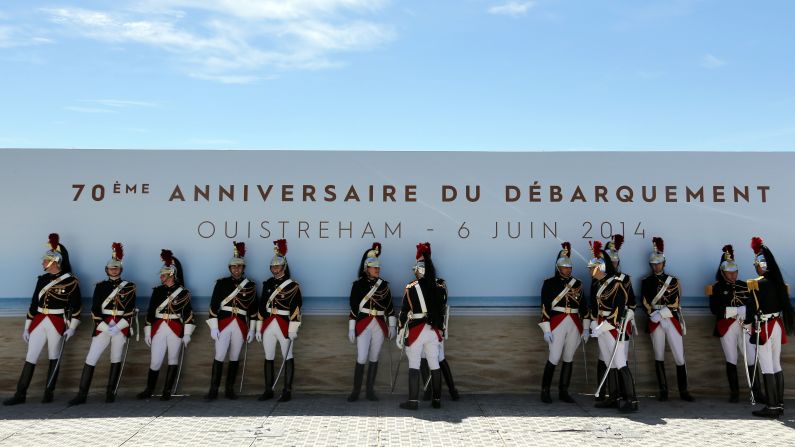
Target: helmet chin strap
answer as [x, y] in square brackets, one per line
[47, 267]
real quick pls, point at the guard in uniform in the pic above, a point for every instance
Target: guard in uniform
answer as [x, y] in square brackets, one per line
[113, 311]
[769, 318]
[564, 315]
[661, 295]
[372, 318]
[278, 320]
[728, 299]
[612, 248]
[610, 308]
[444, 365]
[169, 324]
[232, 307]
[421, 325]
[53, 317]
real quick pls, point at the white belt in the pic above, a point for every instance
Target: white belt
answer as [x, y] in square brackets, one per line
[606, 313]
[766, 317]
[60, 311]
[659, 306]
[234, 310]
[114, 313]
[167, 316]
[566, 310]
[417, 316]
[373, 312]
[272, 311]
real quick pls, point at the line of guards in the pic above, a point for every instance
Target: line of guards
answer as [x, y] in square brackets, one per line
[753, 318]
[236, 318]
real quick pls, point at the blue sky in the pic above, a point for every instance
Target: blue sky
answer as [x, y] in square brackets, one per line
[388, 74]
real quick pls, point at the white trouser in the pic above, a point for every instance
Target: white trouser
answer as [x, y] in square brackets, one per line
[44, 332]
[165, 340]
[368, 343]
[565, 340]
[230, 337]
[667, 331]
[100, 342]
[606, 346]
[427, 342]
[770, 352]
[731, 344]
[441, 351]
[272, 334]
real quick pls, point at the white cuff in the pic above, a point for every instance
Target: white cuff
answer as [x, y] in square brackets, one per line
[102, 327]
[586, 323]
[189, 328]
[213, 323]
[351, 325]
[123, 324]
[545, 326]
[392, 321]
[258, 326]
[294, 325]
[148, 330]
[27, 324]
[74, 323]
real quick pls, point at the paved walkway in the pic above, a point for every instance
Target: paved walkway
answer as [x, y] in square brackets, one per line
[324, 420]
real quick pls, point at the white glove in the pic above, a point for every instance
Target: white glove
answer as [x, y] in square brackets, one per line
[258, 336]
[655, 316]
[596, 331]
[148, 335]
[548, 337]
[250, 336]
[69, 333]
[26, 335]
[630, 314]
[741, 313]
[352, 336]
[186, 340]
[113, 330]
[586, 334]
[214, 333]
[292, 335]
[112, 323]
[393, 332]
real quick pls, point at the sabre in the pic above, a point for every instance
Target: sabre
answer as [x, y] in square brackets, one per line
[389, 350]
[284, 360]
[756, 354]
[622, 327]
[179, 370]
[745, 362]
[124, 359]
[401, 341]
[67, 318]
[245, 356]
[585, 361]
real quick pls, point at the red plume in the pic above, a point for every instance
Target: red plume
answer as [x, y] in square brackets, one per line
[167, 256]
[281, 246]
[729, 249]
[118, 250]
[54, 240]
[423, 249]
[658, 243]
[596, 248]
[241, 249]
[618, 241]
[756, 244]
[377, 248]
[566, 246]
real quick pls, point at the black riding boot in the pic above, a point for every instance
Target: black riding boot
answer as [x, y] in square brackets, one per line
[546, 382]
[779, 376]
[436, 387]
[681, 380]
[358, 376]
[756, 385]
[448, 378]
[151, 380]
[22, 385]
[231, 378]
[425, 375]
[601, 369]
[268, 394]
[565, 380]
[171, 377]
[289, 372]
[662, 381]
[630, 403]
[372, 370]
[113, 380]
[611, 401]
[773, 409]
[52, 378]
[85, 384]
[215, 380]
[734, 382]
[414, 391]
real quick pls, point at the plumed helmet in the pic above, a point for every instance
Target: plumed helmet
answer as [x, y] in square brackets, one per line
[116, 255]
[238, 254]
[657, 248]
[279, 252]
